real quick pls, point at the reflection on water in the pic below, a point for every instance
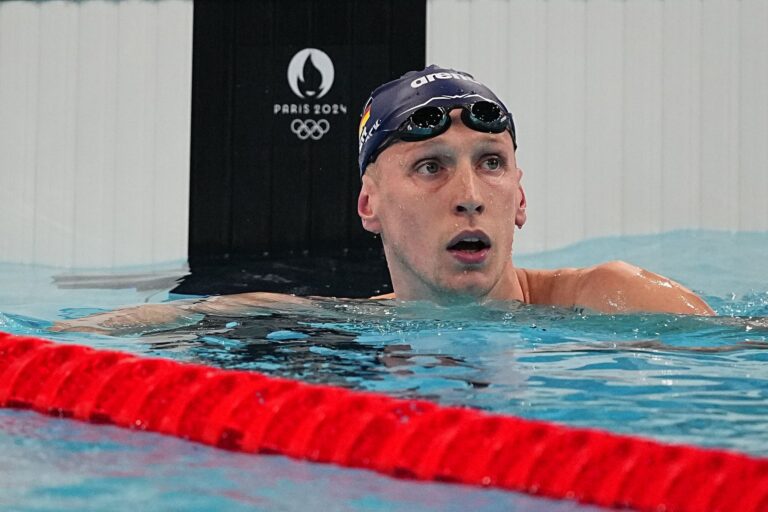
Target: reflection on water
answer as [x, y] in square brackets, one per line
[319, 345]
[699, 380]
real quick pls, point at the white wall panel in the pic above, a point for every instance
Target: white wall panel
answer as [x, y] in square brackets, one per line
[170, 232]
[564, 121]
[95, 108]
[753, 115]
[135, 129]
[680, 121]
[454, 15]
[96, 135]
[641, 130]
[528, 37]
[634, 116]
[603, 118]
[19, 42]
[55, 134]
[719, 114]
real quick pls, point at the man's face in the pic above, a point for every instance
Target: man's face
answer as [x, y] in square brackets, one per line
[446, 209]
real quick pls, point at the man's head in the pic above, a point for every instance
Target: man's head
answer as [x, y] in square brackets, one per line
[411, 108]
[441, 185]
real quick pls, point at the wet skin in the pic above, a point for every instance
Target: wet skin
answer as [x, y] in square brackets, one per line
[423, 196]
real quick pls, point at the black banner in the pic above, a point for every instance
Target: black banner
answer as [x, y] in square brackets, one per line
[277, 93]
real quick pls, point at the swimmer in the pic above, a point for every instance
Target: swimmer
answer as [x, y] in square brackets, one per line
[441, 187]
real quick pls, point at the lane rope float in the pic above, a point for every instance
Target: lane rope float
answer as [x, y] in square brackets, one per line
[250, 412]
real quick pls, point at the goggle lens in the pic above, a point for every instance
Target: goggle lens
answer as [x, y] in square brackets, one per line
[428, 117]
[485, 111]
[425, 123]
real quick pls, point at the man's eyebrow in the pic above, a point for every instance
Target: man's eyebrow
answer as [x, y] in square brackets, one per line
[436, 147]
[490, 145]
[496, 139]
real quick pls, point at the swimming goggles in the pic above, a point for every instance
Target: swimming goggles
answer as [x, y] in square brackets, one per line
[428, 122]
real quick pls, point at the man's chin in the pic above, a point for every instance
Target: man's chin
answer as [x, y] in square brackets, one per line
[471, 284]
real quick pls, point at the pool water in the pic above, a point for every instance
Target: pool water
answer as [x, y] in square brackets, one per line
[48, 464]
[695, 380]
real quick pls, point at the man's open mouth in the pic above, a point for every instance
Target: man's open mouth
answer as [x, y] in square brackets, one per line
[470, 247]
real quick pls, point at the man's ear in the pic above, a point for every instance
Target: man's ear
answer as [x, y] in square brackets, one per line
[366, 206]
[520, 216]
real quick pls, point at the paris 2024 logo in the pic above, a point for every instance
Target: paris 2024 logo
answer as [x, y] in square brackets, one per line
[310, 76]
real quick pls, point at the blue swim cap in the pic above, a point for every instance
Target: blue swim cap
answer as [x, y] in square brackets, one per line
[391, 104]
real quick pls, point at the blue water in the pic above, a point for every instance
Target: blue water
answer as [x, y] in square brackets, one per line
[700, 381]
[48, 464]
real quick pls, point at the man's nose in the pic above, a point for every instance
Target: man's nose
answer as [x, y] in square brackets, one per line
[469, 200]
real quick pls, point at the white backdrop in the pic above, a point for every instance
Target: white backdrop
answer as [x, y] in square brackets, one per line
[94, 131]
[634, 116]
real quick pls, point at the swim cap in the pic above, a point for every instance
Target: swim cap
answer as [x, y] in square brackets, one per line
[390, 104]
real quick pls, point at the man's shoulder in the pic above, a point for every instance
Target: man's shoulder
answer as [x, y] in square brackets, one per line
[614, 286]
[608, 269]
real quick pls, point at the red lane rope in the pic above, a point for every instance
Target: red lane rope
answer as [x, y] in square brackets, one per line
[246, 411]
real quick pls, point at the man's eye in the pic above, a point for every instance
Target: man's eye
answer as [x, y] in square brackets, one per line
[492, 164]
[428, 168]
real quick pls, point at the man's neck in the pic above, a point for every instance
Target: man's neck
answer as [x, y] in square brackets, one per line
[510, 286]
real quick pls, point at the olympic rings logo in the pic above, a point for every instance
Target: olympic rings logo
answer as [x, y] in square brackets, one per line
[310, 129]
